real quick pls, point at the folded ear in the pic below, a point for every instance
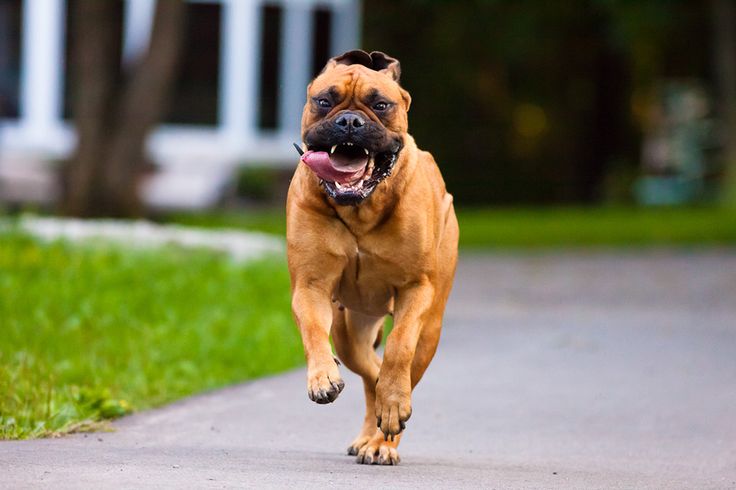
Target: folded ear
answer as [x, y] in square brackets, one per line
[355, 57]
[376, 61]
[386, 64]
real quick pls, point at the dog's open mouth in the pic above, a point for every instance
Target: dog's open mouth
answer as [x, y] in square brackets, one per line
[348, 171]
[345, 164]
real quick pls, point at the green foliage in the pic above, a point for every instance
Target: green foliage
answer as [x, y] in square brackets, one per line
[257, 183]
[534, 102]
[92, 333]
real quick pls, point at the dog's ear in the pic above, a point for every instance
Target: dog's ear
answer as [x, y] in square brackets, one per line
[355, 57]
[376, 61]
[386, 64]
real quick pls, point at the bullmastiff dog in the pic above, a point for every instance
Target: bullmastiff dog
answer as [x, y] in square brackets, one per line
[371, 231]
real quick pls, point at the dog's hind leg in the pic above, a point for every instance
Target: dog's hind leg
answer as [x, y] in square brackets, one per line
[355, 337]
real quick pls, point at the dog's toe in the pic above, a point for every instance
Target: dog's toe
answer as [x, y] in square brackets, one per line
[325, 396]
[365, 457]
[379, 451]
[323, 388]
[359, 443]
[388, 455]
[392, 416]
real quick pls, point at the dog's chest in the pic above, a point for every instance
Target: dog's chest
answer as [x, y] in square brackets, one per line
[366, 284]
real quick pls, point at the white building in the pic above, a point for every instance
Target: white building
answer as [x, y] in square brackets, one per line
[246, 67]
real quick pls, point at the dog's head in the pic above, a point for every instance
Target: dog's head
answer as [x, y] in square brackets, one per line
[354, 124]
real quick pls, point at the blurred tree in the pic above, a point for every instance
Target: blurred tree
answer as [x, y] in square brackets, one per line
[533, 102]
[113, 118]
[724, 28]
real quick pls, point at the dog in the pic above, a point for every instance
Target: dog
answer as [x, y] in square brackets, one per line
[371, 231]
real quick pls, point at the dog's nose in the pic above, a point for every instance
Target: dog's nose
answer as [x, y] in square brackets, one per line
[350, 120]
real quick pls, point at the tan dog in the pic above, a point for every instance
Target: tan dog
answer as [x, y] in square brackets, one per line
[371, 231]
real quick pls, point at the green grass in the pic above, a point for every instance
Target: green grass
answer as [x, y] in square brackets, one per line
[265, 220]
[584, 227]
[91, 333]
[501, 228]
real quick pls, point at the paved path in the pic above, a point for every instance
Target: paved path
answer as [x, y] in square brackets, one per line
[555, 371]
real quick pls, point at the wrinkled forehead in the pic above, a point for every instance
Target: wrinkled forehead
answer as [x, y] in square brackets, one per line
[356, 80]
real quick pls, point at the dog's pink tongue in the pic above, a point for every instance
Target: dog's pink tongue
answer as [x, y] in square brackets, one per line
[320, 163]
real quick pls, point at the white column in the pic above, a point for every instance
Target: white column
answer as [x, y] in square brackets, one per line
[41, 70]
[137, 28]
[239, 70]
[346, 27]
[296, 63]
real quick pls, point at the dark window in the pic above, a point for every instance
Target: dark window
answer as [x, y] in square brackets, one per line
[72, 56]
[321, 40]
[196, 91]
[270, 59]
[10, 34]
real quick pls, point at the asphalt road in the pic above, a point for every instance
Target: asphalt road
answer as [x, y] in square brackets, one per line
[555, 370]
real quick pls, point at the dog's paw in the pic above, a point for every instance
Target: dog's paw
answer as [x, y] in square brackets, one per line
[393, 409]
[323, 387]
[368, 432]
[378, 451]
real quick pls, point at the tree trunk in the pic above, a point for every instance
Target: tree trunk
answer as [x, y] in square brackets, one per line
[94, 73]
[113, 122]
[143, 104]
[724, 28]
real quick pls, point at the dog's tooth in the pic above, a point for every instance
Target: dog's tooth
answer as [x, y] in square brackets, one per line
[332, 150]
[337, 184]
[349, 143]
[365, 150]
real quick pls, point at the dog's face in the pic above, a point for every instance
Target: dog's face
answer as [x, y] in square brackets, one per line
[354, 124]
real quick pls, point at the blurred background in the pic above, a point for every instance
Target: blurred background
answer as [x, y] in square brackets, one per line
[137, 107]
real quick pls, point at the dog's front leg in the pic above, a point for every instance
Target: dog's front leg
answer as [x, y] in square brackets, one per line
[312, 307]
[393, 390]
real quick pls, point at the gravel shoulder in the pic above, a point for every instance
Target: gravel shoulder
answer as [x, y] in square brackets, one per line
[555, 370]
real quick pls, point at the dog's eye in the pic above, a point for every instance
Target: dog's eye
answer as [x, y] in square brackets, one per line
[380, 106]
[324, 103]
